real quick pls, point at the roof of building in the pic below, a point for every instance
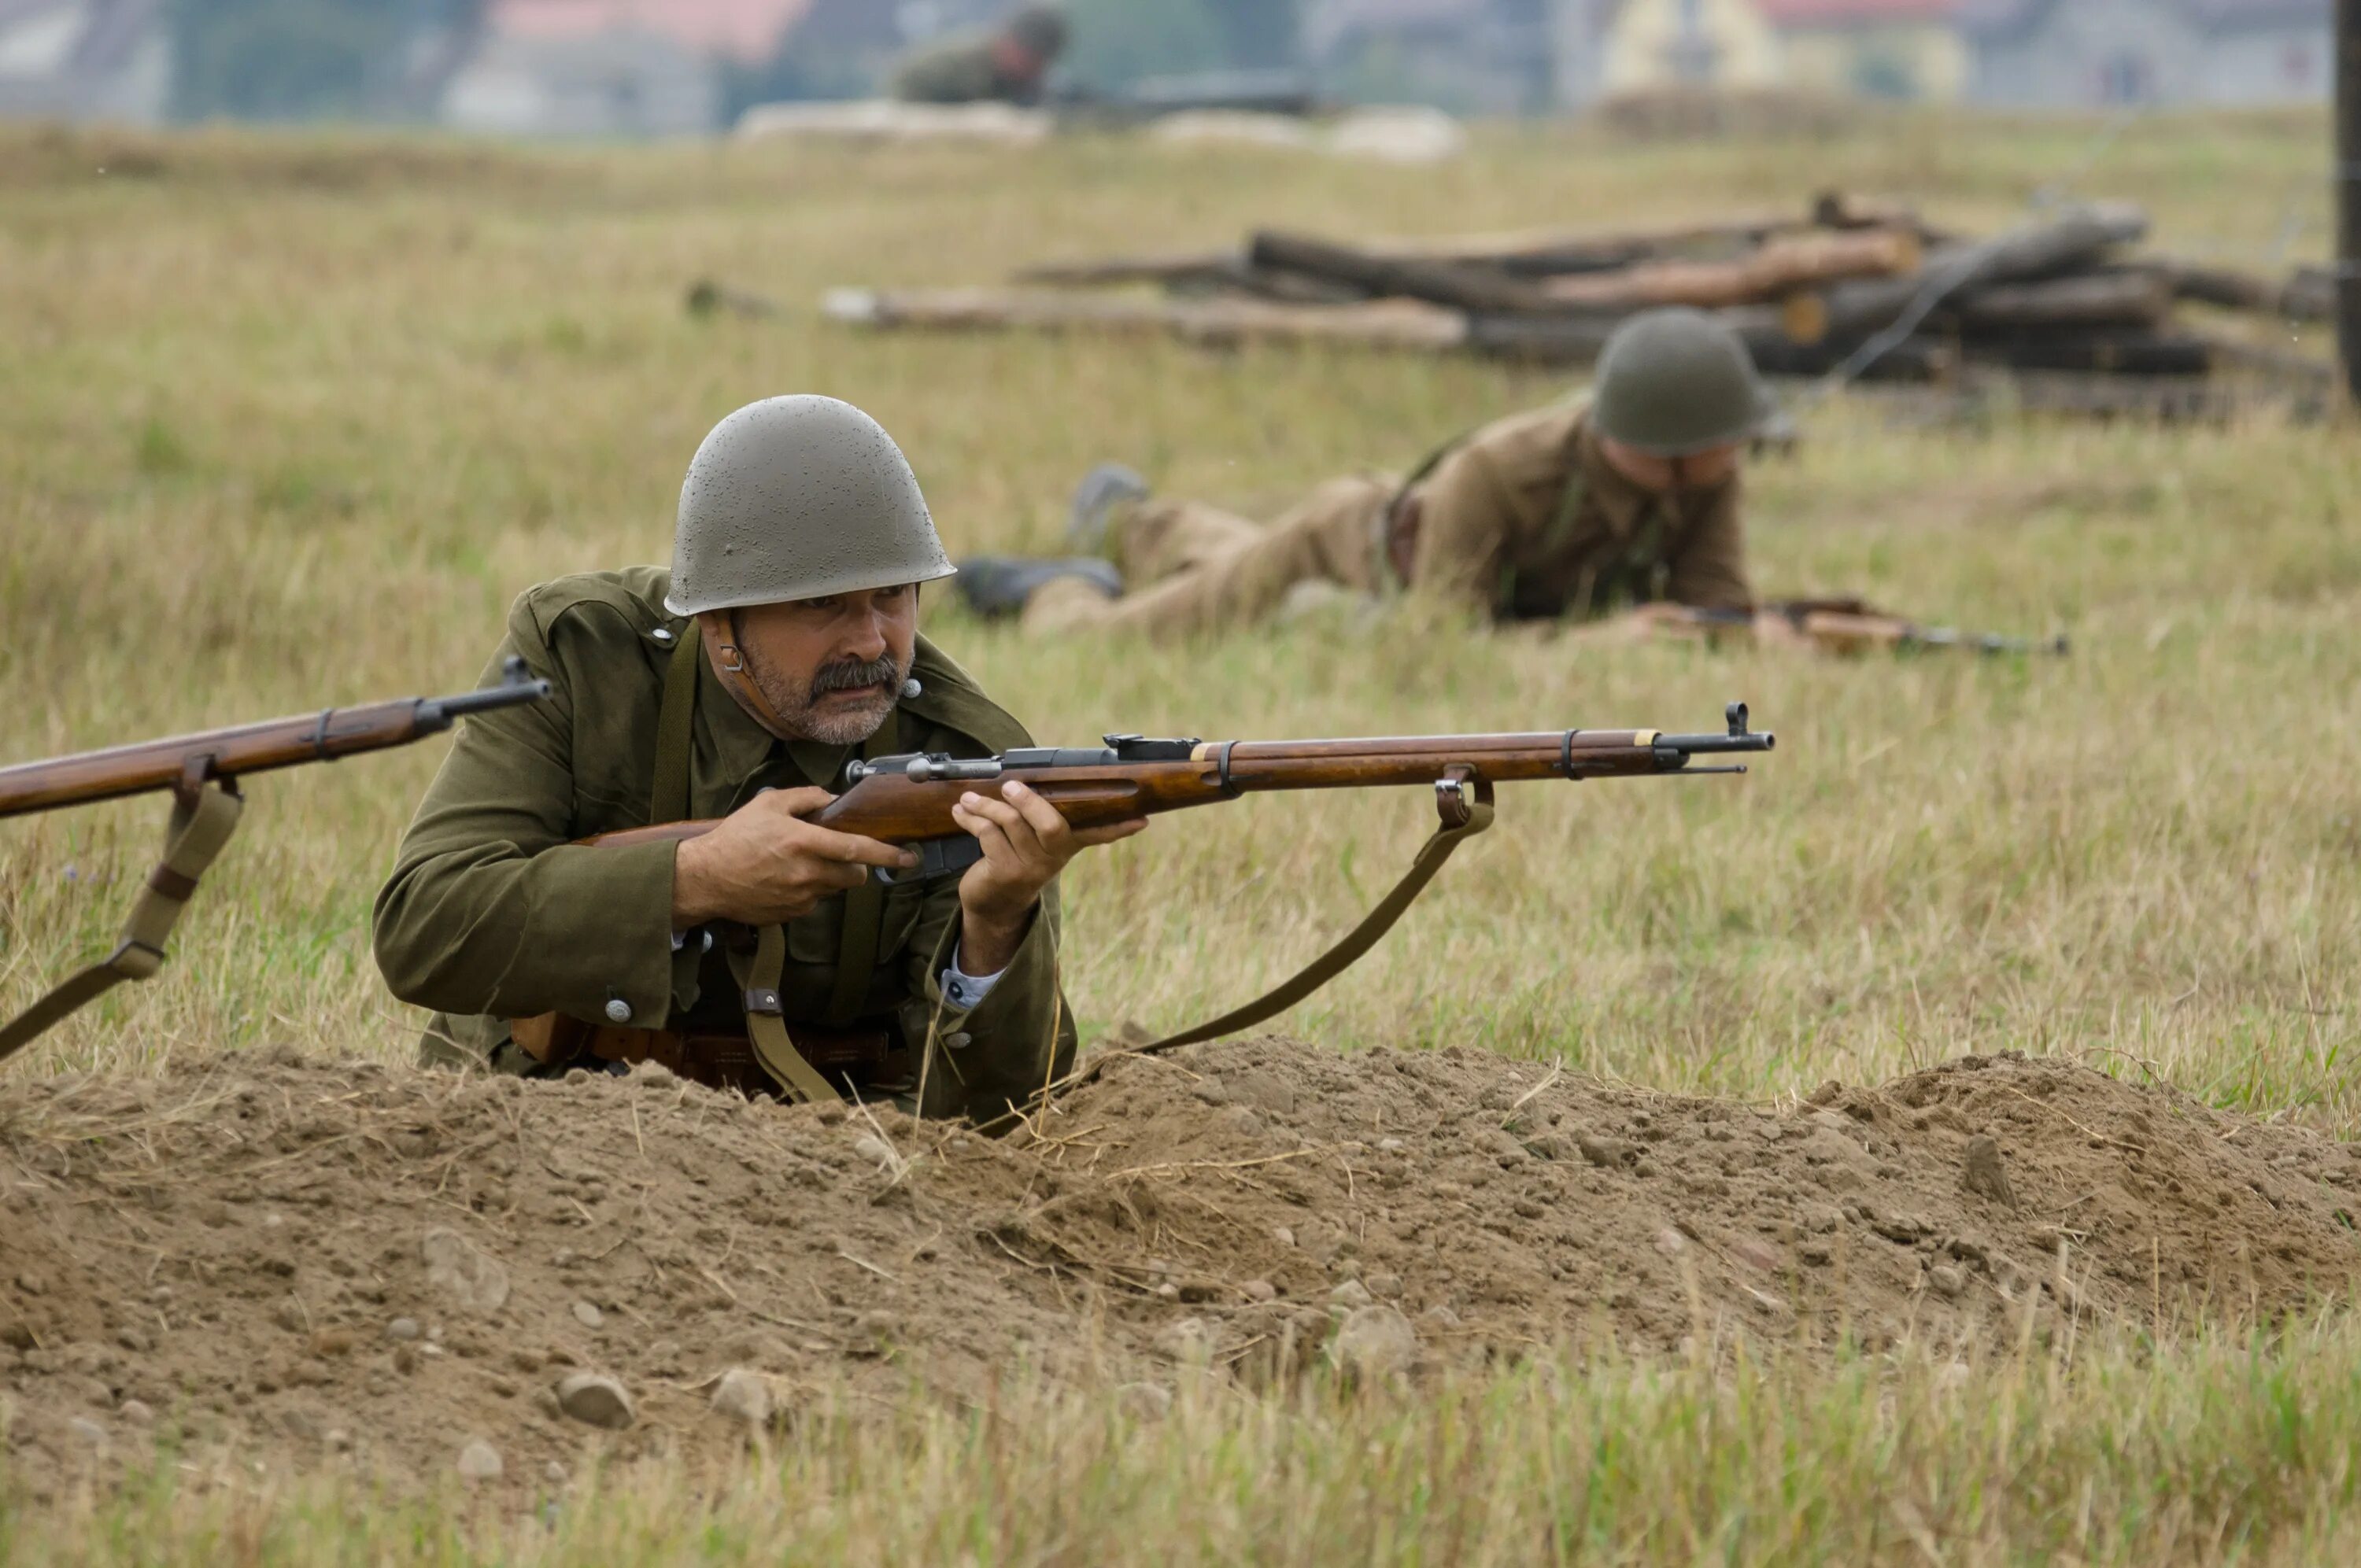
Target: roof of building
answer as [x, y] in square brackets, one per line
[1853, 13]
[749, 29]
[2208, 16]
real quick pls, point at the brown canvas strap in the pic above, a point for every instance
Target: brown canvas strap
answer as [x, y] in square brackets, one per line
[675, 735]
[766, 1022]
[1464, 818]
[200, 825]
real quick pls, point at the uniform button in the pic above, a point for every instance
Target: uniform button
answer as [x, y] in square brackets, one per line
[618, 1010]
[662, 634]
[959, 1041]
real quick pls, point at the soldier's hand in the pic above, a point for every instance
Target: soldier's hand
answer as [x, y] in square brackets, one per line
[765, 865]
[1027, 843]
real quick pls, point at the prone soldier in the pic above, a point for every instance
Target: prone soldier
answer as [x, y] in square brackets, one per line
[1006, 66]
[782, 645]
[1630, 501]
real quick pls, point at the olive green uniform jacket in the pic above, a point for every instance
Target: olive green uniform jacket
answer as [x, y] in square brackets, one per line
[494, 912]
[957, 71]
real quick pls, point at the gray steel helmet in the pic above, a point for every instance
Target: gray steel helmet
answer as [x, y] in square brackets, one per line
[1676, 382]
[794, 498]
[1040, 28]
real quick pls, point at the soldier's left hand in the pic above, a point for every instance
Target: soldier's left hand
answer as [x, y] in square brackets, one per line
[1025, 844]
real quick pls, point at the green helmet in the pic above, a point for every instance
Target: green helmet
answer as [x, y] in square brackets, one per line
[795, 498]
[1676, 382]
[1041, 29]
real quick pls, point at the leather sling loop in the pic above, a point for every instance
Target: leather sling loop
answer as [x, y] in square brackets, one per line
[1430, 859]
[201, 826]
[863, 928]
[676, 734]
[766, 1022]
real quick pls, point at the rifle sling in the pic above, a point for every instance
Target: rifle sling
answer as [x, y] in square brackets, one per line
[199, 830]
[1430, 859]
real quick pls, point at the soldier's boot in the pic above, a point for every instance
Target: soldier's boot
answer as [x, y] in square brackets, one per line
[1104, 491]
[996, 585]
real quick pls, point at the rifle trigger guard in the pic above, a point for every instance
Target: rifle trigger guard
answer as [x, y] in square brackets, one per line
[1456, 800]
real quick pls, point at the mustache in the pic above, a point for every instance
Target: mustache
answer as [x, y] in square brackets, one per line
[855, 674]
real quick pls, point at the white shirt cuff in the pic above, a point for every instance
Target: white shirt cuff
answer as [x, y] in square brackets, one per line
[964, 990]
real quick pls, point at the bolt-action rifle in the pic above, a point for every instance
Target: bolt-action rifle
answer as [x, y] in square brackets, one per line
[1846, 626]
[907, 800]
[203, 772]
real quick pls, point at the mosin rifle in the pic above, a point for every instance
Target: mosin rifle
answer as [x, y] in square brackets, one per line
[908, 799]
[203, 772]
[1848, 626]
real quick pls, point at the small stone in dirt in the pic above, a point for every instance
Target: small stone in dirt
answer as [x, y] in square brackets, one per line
[470, 1280]
[332, 1341]
[138, 1413]
[1947, 1280]
[743, 1395]
[1439, 1318]
[1984, 1175]
[1605, 1153]
[1351, 1295]
[1815, 1252]
[553, 1473]
[339, 1440]
[1189, 1340]
[1284, 1236]
[479, 1461]
[1375, 1344]
[402, 1329]
[1169, 1291]
[89, 1430]
[1384, 1287]
[1391, 1145]
[1671, 1243]
[32, 1283]
[873, 1149]
[1260, 1290]
[588, 1314]
[1144, 1401]
[1755, 1254]
[596, 1400]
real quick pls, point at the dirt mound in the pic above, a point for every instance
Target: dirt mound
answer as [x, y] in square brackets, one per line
[417, 1274]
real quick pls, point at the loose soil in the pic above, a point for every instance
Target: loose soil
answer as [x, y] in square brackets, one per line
[305, 1262]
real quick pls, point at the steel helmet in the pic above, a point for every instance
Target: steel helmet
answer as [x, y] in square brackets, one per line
[1676, 382]
[795, 498]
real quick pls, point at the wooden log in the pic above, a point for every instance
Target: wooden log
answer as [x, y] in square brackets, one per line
[1399, 324]
[1456, 284]
[1779, 268]
[2113, 354]
[2094, 299]
[1911, 359]
[1855, 310]
[1170, 267]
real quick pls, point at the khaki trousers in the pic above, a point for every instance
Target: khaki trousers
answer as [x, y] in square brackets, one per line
[1196, 568]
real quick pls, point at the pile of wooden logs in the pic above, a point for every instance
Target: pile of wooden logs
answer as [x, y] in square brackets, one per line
[1863, 289]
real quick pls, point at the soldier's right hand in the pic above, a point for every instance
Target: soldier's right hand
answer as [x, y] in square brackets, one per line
[765, 865]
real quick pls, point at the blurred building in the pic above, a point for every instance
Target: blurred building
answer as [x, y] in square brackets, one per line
[85, 60]
[2086, 53]
[611, 68]
[1897, 50]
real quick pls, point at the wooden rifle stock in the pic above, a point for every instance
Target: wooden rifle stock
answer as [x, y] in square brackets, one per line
[220, 756]
[1852, 626]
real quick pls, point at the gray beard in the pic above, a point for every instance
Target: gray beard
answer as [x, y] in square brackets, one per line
[845, 728]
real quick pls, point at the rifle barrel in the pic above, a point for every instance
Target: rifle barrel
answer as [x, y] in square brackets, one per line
[226, 754]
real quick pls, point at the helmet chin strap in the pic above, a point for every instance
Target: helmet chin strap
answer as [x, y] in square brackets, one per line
[720, 629]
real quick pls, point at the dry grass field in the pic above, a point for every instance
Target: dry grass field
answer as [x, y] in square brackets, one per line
[288, 422]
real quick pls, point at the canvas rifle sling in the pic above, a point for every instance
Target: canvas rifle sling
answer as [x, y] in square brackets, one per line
[1429, 860]
[200, 825]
